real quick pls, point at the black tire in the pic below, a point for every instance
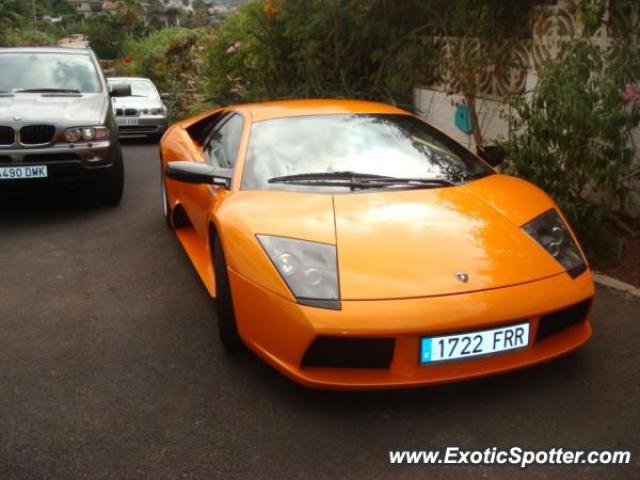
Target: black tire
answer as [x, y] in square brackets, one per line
[227, 327]
[108, 191]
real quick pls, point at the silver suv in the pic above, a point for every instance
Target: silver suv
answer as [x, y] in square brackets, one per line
[57, 124]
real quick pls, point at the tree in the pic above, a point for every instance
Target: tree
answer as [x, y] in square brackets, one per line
[131, 13]
[106, 34]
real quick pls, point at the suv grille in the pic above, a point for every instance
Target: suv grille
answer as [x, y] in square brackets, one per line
[37, 134]
[7, 136]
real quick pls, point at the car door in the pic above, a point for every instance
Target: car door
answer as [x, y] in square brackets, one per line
[220, 145]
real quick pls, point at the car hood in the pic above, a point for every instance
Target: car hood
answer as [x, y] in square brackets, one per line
[137, 102]
[413, 243]
[64, 110]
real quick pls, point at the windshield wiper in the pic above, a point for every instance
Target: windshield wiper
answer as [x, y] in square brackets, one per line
[46, 90]
[355, 180]
[324, 176]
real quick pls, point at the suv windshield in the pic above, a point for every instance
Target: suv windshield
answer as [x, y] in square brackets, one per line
[42, 72]
[139, 87]
[332, 147]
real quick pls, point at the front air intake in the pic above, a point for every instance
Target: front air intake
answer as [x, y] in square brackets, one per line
[555, 322]
[349, 352]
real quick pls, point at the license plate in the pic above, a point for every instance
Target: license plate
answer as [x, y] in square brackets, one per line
[127, 122]
[474, 344]
[21, 172]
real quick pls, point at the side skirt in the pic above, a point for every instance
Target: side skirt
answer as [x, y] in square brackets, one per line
[199, 255]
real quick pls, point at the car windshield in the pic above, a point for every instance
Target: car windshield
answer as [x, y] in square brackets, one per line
[48, 72]
[139, 87]
[311, 152]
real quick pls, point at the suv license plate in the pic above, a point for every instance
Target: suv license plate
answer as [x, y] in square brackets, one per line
[23, 173]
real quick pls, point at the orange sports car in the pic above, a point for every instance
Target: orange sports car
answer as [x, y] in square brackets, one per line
[351, 245]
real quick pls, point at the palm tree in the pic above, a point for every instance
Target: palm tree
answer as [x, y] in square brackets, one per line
[131, 12]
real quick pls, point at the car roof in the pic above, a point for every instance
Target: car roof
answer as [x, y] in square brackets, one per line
[77, 51]
[129, 78]
[299, 108]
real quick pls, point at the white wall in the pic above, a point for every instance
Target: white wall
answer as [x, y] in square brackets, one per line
[438, 109]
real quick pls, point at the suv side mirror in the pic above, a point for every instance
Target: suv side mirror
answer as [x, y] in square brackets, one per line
[198, 173]
[120, 90]
[494, 155]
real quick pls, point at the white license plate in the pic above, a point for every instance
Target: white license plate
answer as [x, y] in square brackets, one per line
[474, 344]
[127, 122]
[22, 172]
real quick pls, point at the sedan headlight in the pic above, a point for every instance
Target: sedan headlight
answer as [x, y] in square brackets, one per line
[553, 235]
[309, 269]
[86, 134]
[157, 111]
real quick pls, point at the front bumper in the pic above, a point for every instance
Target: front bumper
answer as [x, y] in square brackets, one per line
[281, 331]
[65, 163]
[150, 125]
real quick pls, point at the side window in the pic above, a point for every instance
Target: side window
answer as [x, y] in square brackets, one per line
[222, 144]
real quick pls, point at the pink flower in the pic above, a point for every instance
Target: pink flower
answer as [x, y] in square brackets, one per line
[632, 92]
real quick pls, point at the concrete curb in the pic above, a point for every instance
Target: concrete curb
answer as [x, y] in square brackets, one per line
[607, 281]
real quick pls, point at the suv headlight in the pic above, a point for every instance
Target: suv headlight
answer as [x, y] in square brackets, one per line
[553, 235]
[309, 269]
[87, 134]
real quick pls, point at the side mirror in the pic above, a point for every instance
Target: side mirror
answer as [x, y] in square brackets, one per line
[198, 173]
[494, 155]
[165, 95]
[120, 90]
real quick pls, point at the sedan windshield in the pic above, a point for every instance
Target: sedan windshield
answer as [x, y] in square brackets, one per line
[48, 73]
[354, 151]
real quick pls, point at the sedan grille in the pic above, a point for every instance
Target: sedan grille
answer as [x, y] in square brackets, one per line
[119, 112]
[37, 134]
[7, 136]
[130, 112]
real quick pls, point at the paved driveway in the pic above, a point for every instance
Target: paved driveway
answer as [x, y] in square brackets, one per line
[110, 368]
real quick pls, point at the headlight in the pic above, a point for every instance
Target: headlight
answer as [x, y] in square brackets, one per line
[309, 269]
[553, 235]
[87, 134]
[157, 111]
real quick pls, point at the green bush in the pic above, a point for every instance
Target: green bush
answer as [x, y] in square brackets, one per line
[319, 48]
[25, 38]
[106, 34]
[174, 59]
[572, 138]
